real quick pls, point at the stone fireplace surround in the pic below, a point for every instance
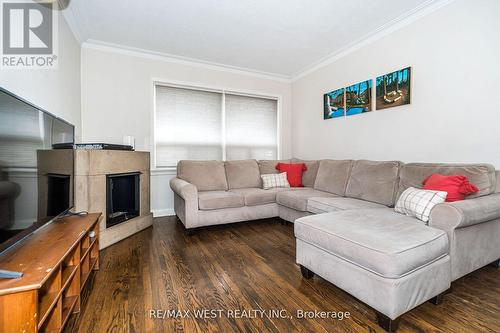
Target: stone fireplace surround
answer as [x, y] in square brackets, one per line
[91, 168]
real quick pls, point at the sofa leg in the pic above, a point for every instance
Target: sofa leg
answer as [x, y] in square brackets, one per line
[436, 300]
[496, 263]
[307, 274]
[388, 324]
[191, 232]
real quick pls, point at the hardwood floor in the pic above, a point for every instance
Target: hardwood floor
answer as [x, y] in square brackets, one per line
[250, 266]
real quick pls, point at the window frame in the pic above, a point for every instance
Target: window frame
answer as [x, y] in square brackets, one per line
[223, 91]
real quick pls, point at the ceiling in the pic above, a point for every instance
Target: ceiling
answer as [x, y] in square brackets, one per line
[279, 37]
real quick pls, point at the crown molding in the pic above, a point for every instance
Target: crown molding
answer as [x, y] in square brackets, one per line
[401, 21]
[71, 18]
[153, 55]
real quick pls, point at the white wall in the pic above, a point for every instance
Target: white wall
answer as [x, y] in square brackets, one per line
[54, 90]
[117, 100]
[454, 115]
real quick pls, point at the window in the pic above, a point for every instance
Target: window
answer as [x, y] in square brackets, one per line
[188, 125]
[251, 128]
[202, 124]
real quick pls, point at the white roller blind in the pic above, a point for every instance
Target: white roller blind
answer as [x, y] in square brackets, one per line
[195, 124]
[251, 128]
[188, 125]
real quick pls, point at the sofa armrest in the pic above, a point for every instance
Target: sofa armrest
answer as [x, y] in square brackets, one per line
[185, 190]
[185, 202]
[460, 214]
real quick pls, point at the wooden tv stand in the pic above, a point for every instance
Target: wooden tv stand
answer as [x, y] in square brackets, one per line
[56, 262]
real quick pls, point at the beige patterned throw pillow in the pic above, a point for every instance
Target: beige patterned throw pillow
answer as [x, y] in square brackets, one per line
[419, 203]
[274, 180]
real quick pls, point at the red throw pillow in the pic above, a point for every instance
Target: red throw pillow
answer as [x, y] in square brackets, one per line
[293, 172]
[457, 186]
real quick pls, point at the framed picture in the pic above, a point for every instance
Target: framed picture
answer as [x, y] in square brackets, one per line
[393, 89]
[334, 104]
[359, 98]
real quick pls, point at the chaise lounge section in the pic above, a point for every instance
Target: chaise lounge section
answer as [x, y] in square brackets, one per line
[394, 262]
[387, 260]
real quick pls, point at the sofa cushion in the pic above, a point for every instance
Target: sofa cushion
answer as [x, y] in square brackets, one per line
[319, 205]
[379, 240]
[481, 175]
[209, 200]
[332, 176]
[374, 181]
[269, 166]
[258, 196]
[297, 199]
[242, 174]
[205, 175]
[308, 176]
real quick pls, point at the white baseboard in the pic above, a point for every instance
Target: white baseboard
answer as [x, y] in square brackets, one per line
[163, 212]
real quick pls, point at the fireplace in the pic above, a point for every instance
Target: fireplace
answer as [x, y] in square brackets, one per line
[122, 197]
[124, 203]
[58, 188]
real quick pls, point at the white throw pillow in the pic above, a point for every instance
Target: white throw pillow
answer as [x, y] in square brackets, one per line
[274, 180]
[419, 203]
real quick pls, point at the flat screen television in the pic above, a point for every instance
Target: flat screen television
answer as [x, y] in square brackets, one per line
[36, 181]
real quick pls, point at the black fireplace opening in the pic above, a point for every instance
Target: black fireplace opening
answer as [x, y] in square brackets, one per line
[122, 197]
[58, 195]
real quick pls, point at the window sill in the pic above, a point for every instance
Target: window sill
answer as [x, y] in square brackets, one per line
[164, 171]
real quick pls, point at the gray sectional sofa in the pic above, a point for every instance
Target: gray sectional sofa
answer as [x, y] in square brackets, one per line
[346, 229]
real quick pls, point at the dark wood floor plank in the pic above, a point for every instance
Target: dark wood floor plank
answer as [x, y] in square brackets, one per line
[248, 272]
[290, 272]
[249, 266]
